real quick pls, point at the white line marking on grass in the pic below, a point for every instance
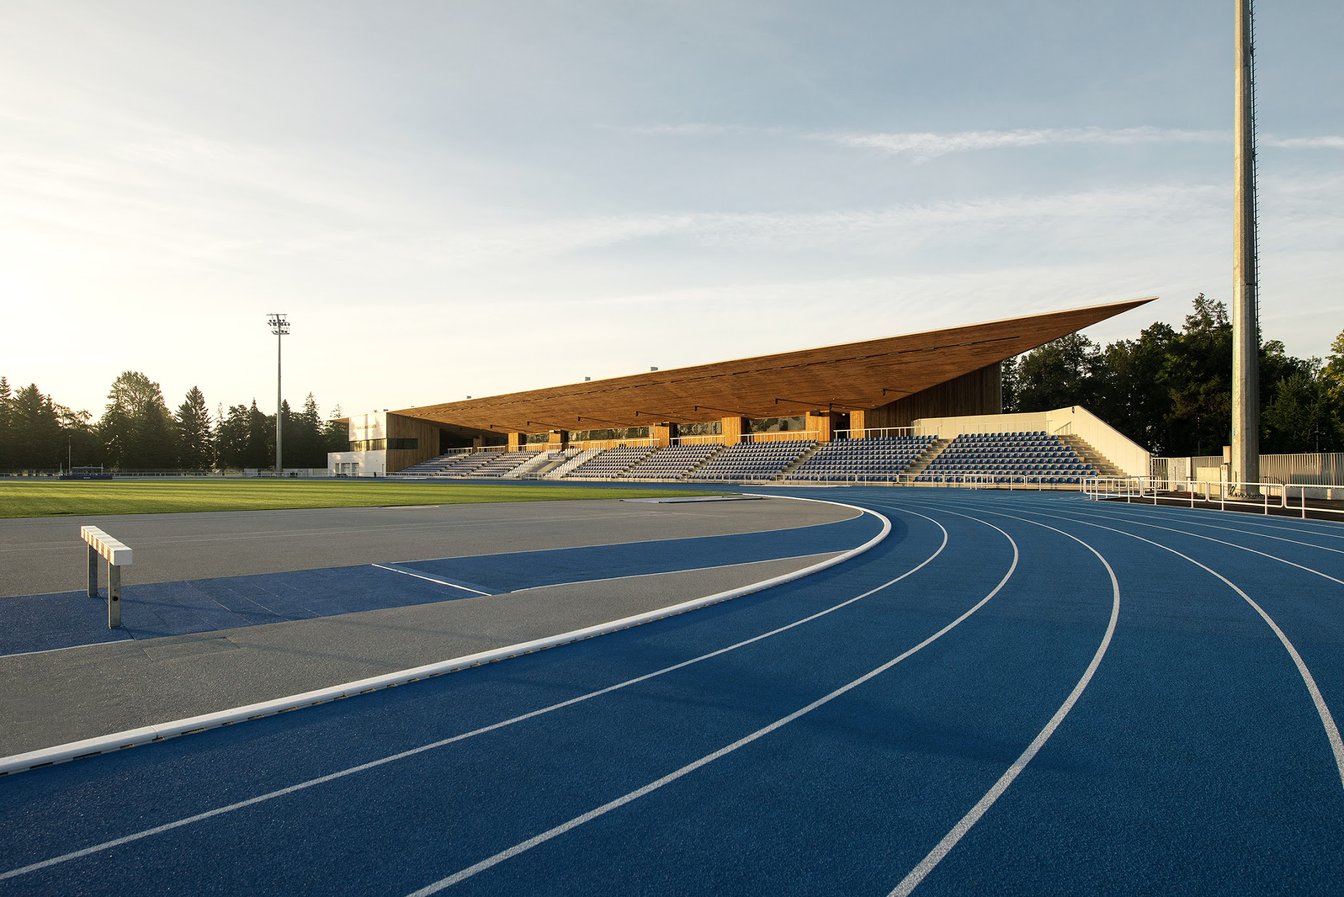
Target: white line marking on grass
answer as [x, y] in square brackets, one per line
[967, 822]
[1322, 710]
[442, 582]
[401, 755]
[568, 826]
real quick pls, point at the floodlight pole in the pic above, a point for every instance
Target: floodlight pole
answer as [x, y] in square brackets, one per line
[1245, 277]
[280, 327]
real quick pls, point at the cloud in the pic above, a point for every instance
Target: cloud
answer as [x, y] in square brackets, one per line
[921, 146]
[930, 145]
[878, 231]
[1323, 142]
[693, 129]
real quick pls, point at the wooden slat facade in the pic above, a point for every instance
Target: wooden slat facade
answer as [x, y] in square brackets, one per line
[425, 433]
[979, 392]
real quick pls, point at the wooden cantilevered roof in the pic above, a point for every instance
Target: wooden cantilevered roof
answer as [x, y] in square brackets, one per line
[861, 375]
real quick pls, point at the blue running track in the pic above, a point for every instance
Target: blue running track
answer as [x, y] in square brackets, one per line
[1015, 693]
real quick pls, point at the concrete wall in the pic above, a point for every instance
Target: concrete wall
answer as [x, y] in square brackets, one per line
[370, 464]
[370, 425]
[1076, 420]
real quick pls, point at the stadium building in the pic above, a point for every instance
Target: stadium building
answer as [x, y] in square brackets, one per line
[914, 408]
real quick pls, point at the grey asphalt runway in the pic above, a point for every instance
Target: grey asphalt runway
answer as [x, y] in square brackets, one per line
[41, 555]
[55, 697]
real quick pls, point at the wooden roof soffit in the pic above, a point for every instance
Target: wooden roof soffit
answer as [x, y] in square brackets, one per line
[852, 376]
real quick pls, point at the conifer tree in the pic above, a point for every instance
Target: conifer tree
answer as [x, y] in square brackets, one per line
[231, 438]
[36, 433]
[195, 439]
[6, 426]
[259, 449]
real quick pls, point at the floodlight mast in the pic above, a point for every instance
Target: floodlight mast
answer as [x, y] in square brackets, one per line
[280, 327]
[1245, 274]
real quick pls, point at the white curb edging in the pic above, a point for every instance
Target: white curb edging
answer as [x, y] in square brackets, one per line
[102, 744]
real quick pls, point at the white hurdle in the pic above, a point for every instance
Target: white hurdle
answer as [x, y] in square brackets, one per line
[117, 556]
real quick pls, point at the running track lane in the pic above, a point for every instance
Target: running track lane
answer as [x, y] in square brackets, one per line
[845, 799]
[1212, 771]
[546, 759]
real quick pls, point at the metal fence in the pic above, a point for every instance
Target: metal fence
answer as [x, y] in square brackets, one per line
[1317, 469]
[1265, 497]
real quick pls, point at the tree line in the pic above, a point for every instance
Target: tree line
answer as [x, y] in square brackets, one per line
[137, 431]
[1171, 390]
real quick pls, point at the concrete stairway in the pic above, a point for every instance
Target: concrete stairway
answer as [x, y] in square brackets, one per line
[924, 460]
[1092, 456]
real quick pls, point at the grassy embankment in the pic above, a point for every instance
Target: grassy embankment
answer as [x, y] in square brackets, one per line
[65, 498]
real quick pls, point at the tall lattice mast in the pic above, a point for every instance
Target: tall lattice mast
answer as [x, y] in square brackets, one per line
[1245, 287]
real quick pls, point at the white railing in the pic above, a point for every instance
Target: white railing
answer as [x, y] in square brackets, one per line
[711, 439]
[1208, 493]
[1009, 481]
[782, 436]
[875, 433]
[1330, 490]
[604, 444]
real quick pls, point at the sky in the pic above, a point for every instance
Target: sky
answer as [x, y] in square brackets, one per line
[481, 196]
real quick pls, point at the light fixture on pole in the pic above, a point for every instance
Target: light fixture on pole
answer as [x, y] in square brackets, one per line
[280, 327]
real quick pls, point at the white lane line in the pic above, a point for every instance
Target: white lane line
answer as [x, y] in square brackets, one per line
[159, 731]
[1329, 529]
[967, 822]
[411, 752]
[1263, 554]
[568, 826]
[117, 641]
[442, 582]
[1322, 709]
[1229, 529]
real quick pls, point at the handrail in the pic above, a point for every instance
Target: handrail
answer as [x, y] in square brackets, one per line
[1224, 493]
[1302, 488]
[605, 444]
[781, 436]
[870, 432]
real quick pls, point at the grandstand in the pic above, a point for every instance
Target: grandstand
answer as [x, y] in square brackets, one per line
[1035, 457]
[753, 461]
[864, 460]
[611, 463]
[672, 462]
[894, 409]
[452, 464]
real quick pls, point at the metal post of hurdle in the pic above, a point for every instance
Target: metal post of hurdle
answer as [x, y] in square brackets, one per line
[118, 555]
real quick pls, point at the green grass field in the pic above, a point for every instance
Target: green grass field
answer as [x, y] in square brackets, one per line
[67, 498]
